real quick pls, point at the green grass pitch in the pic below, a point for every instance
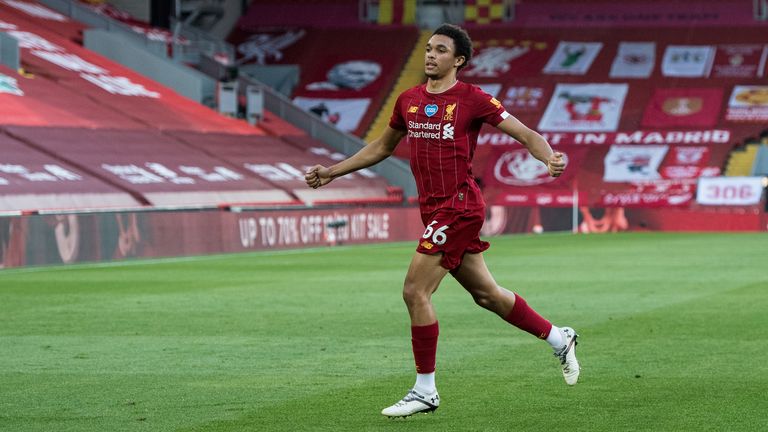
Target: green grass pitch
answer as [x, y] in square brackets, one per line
[673, 337]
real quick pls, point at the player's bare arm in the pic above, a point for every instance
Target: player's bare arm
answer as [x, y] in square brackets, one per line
[535, 143]
[373, 153]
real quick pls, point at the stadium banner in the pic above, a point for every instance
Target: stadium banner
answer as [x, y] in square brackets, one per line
[492, 89]
[730, 191]
[688, 162]
[94, 237]
[490, 136]
[584, 108]
[103, 237]
[688, 61]
[740, 61]
[345, 114]
[513, 177]
[573, 58]
[502, 58]
[524, 99]
[690, 107]
[748, 104]
[580, 15]
[651, 194]
[634, 60]
[633, 163]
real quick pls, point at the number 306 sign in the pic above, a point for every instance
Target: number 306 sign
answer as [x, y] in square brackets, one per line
[729, 190]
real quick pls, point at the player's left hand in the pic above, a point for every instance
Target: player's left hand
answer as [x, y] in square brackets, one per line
[556, 164]
[317, 176]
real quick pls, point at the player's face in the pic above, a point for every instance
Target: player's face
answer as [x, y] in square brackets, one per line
[440, 57]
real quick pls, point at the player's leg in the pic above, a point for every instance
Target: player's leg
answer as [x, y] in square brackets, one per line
[474, 276]
[423, 278]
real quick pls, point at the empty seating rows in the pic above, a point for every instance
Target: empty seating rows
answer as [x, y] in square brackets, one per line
[80, 131]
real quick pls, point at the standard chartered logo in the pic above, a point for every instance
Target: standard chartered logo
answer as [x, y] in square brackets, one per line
[430, 130]
[447, 131]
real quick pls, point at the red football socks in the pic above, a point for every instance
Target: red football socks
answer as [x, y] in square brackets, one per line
[424, 340]
[525, 318]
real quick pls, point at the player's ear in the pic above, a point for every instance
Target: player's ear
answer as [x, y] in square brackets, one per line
[460, 60]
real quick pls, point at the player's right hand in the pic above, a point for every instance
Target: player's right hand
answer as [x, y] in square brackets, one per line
[317, 176]
[556, 164]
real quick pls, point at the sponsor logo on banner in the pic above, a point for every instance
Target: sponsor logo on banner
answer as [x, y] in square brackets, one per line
[493, 62]
[261, 47]
[584, 107]
[524, 98]
[352, 75]
[691, 61]
[10, 85]
[740, 61]
[496, 58]
[345, 114]
[688, 162]
[520, 168]
[573, 58]
[492, 89]
[690, 155]
[748, 103]
[729, 190]
[634, 60]
[683, 107]
[659, 193]
[633, 163]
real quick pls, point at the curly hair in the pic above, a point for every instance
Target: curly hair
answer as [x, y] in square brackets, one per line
[461, 40]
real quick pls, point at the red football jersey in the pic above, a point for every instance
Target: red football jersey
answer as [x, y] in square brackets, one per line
[442, 130]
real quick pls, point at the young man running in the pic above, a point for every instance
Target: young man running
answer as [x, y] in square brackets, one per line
[442, 120]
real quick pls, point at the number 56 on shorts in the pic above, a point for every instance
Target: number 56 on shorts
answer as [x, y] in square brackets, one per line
[437, 236]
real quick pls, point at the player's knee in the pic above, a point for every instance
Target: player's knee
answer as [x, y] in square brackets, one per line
[487, 299]
[412, 294]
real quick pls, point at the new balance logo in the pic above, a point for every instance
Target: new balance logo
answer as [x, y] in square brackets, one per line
[447, 131]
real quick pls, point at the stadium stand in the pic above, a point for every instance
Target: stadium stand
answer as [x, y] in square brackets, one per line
[343, 80]
[32, 179]
[120, 139]
[646, 98]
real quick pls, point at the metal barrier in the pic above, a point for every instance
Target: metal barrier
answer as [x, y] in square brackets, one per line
[9, 51]
[187, 46]
[760, 9]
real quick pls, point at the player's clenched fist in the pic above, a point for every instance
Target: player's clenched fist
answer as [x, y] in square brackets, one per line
[556, 164]
[317, 176]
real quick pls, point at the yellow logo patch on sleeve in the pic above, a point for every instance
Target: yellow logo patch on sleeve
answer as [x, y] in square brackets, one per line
[427, 245]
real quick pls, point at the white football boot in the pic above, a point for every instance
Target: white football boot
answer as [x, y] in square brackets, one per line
[414, 402]
[567, 356]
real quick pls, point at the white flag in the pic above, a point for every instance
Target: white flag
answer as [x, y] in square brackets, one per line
[584, 108]
[573, 58]
[634, 60]
[690, 61]
[626, 163]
